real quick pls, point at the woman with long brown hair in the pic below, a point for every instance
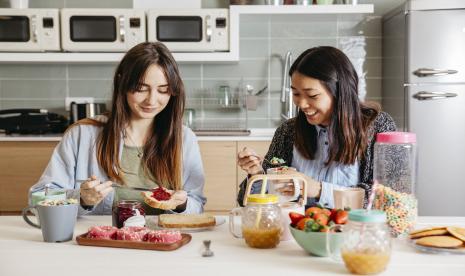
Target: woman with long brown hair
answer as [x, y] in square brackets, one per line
[330, 141]
[140, 143]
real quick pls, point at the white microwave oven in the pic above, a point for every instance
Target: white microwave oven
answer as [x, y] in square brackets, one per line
[102, 30]
[195, 30]
[29, 30]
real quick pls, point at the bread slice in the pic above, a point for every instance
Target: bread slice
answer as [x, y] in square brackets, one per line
[186, 220]
[164, 204]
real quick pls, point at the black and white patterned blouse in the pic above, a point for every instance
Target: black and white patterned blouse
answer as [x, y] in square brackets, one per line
[283, 143]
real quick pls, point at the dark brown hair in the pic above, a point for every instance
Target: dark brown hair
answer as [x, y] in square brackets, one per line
[162, 156]
[350, 119]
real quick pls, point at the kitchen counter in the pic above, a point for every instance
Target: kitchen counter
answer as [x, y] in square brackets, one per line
[22, 252]
[256, 134]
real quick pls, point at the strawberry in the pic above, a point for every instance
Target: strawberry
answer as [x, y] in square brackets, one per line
[302, 223]
[315, 227]
[333, 214]
[326, 212]
[295, 218]
[341, 217]
[324, 228]
[310, 212]
[321, 218]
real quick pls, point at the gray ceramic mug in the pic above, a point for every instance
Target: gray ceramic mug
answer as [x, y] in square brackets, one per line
[36, 197]
[57, 222]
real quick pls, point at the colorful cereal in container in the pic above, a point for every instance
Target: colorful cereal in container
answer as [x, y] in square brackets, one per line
[401, 209]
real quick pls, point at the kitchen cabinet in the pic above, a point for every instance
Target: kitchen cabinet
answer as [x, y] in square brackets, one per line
[21, 165]
[219, 163]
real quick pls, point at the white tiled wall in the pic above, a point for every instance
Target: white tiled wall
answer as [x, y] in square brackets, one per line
[263, 43]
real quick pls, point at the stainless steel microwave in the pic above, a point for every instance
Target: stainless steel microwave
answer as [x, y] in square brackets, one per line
[195, 30]
[29, 30]
[106, 30]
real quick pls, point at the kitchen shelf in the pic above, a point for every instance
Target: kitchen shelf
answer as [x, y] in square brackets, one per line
[109, 57]
[227, 57]
[299, 9]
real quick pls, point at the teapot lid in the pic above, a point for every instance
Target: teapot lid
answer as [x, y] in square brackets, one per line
[262, 198]
[363, 215]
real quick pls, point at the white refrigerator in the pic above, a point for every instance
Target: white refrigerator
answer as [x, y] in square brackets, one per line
[424, 90]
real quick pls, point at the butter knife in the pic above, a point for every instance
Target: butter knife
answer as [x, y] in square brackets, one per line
[114, 185]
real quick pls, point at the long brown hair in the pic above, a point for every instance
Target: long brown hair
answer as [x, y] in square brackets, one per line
[162, 156]
[350, 119]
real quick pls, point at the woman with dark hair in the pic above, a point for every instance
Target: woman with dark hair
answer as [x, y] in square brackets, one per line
[140, 143]
[331, 139]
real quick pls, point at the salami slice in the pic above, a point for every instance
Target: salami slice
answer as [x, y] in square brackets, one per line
[102, 232]
[163, 236]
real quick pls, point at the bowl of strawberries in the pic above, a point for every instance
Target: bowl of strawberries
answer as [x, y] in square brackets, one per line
[310, 230]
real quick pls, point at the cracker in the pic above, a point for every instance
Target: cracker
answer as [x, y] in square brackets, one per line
[427, 229]
[436, 232]
[440, 241]
[457, 232]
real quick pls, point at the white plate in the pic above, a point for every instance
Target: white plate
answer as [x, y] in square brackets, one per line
[436, 250]
[152, 223]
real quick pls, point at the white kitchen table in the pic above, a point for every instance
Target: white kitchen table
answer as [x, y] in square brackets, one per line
[22, 252]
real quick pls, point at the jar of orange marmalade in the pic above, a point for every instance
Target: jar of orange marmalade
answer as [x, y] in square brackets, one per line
[366, 248]
[261, 221]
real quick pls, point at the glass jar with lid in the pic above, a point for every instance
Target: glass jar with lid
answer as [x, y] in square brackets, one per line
[366, 245]
[261, 221]
[128, 213]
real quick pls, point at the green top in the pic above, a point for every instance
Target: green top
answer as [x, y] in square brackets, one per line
[362, 215]
[134, 176]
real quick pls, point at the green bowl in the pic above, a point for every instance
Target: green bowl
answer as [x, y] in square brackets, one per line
[315, 242]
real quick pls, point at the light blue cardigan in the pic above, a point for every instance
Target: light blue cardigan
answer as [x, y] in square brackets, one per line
[75, 158]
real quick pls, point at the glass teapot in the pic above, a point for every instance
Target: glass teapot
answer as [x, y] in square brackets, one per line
[264, 214]
[261, 221]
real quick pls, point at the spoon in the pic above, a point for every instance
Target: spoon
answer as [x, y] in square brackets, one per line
[47, 188]
[207, 252]
[268, 161]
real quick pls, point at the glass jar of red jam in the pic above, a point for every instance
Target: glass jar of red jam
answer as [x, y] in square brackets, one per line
[125, 209]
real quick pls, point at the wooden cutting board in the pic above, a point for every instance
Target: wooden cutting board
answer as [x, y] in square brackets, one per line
[83, 240]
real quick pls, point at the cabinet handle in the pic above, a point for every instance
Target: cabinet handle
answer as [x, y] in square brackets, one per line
[425, 95]
[34, 28]
[427, 72]
[208, 29]
[122, 31]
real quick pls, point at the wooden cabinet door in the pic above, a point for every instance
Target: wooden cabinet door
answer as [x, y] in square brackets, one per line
[219, 163]
[21, 165]
[260, 147]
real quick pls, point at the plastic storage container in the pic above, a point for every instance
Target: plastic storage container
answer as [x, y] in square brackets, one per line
[395, 174]
[395, 161]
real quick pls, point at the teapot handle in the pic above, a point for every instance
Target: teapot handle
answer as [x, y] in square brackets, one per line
[234, 213]
[265, 177]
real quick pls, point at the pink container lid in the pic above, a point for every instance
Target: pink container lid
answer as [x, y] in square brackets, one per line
[396, 137]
